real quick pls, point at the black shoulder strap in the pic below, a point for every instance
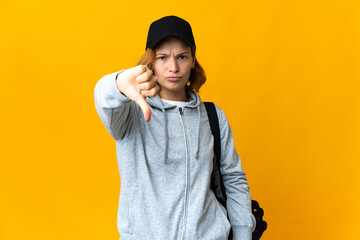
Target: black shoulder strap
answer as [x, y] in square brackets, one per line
[217, 181]
[214, 125]
[217, 184]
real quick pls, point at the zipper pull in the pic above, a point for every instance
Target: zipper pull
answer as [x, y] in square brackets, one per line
[181, 111]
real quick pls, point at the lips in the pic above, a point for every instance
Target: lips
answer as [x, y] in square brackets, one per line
[174, 78]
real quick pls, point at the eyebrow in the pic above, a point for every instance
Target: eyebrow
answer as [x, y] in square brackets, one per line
[183, 53]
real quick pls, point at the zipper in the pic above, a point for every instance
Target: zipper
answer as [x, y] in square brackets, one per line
[186, 174]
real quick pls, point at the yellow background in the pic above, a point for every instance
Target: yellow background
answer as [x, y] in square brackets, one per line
[286, 73]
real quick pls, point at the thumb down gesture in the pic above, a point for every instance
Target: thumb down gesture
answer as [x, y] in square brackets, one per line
[137, 83]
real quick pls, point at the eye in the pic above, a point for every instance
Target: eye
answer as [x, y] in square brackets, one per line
[161, 58]
[182, 57]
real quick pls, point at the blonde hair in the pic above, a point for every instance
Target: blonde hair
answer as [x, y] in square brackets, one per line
[197, 75]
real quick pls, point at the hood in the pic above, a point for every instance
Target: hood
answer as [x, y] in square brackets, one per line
[156, 102]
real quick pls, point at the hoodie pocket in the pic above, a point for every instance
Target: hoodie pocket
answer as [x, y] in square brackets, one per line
[125, 219]
[225, 220]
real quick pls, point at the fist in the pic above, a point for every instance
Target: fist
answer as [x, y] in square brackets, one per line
[137, 83]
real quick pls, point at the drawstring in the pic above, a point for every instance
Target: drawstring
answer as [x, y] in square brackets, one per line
[166, 143]
[198, 136]
[165, 135]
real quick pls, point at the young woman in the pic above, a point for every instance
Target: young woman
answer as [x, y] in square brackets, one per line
[165, 146]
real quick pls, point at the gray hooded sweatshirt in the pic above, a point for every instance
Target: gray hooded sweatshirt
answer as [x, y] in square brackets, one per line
[165, 169]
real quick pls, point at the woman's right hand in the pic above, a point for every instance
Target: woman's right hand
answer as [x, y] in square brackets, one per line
[137, 83]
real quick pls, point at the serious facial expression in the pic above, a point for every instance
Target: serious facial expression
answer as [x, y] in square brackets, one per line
[172, 67]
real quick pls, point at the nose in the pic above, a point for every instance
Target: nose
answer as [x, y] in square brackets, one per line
[173, 65]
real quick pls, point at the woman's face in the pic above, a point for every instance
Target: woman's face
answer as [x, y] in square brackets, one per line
[172, 66]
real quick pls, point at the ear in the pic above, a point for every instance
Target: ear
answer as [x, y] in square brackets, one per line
[193, 63]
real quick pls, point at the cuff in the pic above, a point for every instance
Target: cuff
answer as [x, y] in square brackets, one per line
[241, 233]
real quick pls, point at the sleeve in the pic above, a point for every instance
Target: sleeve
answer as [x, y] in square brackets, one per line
[116, 111]
[238, 201]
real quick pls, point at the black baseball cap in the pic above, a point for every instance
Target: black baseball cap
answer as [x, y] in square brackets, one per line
[169, 26]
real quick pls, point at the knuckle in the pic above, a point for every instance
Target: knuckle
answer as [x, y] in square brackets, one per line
[138, 78]
[144, 86]
[153, 92]
[150, 94]
[157, 90]
[153, 84]
[149, 74]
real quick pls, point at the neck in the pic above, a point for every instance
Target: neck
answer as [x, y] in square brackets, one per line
[174, 97]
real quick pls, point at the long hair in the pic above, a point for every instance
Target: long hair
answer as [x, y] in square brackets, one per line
[197, 74]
